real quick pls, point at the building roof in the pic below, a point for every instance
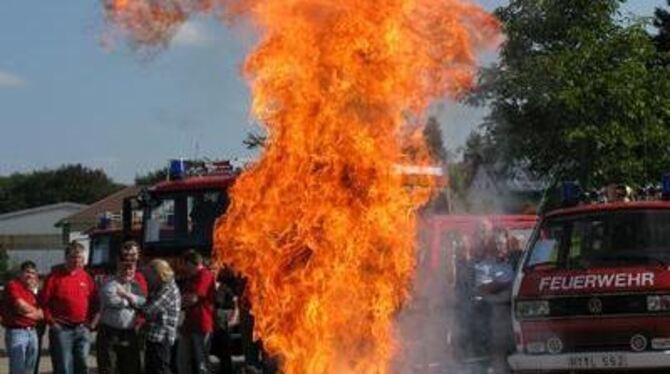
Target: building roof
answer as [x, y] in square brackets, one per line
[112, 203]
[41, 209]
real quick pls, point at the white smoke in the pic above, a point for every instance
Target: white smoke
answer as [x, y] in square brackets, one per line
[425, 325]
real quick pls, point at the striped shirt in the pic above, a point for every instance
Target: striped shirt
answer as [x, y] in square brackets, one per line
[162, 313]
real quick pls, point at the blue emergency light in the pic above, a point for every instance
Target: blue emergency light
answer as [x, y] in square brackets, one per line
[570, 193]
[177, 169]
[665, 189]
[104, 221]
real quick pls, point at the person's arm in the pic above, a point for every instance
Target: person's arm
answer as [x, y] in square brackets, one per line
[20, 305]
[133, 299]
[93, 316]
[201, 291]
[156, 305]
[137, 301]
[189, 299]
[190, 296]
[111, 296]
[45, 298]
[502, 277]
[23, 308]
[234, 317]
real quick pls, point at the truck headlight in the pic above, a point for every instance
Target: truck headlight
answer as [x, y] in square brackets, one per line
[658, 303]
[531, 309]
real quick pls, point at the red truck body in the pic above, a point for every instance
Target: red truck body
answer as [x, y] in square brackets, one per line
[591, 291]
[167, 219]
[437, 228]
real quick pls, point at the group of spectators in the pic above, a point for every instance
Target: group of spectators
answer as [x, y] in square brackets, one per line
[484, 270]
[145, 322]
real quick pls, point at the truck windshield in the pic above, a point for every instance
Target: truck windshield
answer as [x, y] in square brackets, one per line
[183, 218]
[603, 239]
[99, 250]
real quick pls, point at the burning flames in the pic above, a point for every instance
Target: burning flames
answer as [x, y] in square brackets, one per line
[323, 225]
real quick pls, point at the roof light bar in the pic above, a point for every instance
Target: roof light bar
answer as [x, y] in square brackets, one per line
[570, 193]
[177, 169]
[665, 190]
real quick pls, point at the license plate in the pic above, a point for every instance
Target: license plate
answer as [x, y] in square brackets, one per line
[597, 361]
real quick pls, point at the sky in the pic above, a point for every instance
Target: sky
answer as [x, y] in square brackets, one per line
[68, 97]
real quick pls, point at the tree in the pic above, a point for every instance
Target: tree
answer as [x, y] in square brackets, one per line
[432, 133]
[4, 264]
[432, 136]
[479, 148]
[578, 93]
[459, 180]
[662, 22]
[73, 183]
[151, 177]
[254, 140]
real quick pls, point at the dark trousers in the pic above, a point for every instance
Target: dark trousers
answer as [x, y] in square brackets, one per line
[41, 329]
[69, 348]
[118, 351]
[251, 348]
[157, 357]
[193, 353]
[222, 348]
[480, 328]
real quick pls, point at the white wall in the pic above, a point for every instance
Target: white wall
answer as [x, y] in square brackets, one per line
[35, 228]
[37, 222]
[43, 258]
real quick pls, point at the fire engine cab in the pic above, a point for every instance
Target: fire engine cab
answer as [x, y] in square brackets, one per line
[168, 217]
[180, 213]
[593, 290]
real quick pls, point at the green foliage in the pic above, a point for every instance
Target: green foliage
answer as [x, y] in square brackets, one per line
[151, 177]
[579, 93]
[73, 183]
[662, 22]
[433, 135]
[254, 140]
[479, 149]
[4, 264]
[459, 181]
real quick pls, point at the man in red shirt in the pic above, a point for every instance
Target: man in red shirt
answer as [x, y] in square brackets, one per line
[20, 317]
[69, 299]
[198, 303]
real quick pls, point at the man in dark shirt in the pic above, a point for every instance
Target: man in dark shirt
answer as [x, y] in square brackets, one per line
[20, 317]
[69, 299]
[226, 312]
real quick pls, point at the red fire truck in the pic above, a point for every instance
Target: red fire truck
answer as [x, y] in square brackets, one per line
[593, 291]
[180, 213]
[169, 217]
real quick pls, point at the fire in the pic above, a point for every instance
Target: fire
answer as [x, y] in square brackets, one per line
[323, 225]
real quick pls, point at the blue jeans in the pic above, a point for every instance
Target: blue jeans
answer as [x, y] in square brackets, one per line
[22, 350]
[69, 348]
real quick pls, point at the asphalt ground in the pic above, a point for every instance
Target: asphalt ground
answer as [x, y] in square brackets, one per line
[45, 359]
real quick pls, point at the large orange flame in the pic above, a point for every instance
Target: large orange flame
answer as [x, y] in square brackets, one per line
[323, 226]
